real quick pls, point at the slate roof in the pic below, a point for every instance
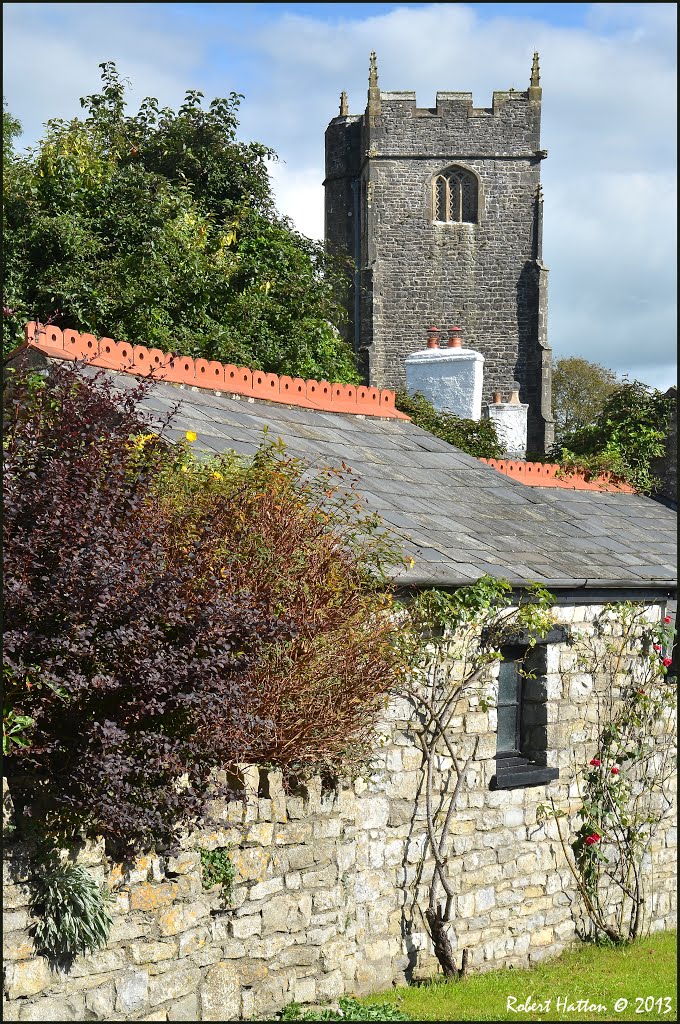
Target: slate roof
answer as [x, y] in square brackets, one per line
[458, 517]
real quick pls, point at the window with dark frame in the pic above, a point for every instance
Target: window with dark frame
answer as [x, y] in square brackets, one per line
[521, 736]
[455, 199]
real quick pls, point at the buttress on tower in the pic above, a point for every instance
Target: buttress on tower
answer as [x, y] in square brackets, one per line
[440, 212]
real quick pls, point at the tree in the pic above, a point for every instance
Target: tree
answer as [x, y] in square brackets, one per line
[579, 391]
[11, 129]
[160, 228]
[625, 437]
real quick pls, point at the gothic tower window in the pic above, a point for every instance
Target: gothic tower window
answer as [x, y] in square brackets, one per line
[455, 197]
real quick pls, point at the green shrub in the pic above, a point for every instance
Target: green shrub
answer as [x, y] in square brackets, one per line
[625, 438]
[476, 437]
[218, 869]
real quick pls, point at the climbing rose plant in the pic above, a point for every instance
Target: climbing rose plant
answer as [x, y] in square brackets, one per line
[625, 789]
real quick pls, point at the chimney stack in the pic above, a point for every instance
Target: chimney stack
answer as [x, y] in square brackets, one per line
[450, 377]
[510, 421]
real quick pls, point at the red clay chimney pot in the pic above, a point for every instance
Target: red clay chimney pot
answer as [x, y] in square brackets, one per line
[454, 338]
[433, 337]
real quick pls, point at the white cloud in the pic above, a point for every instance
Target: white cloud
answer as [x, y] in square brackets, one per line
[609, 112]
[51, 55]
[298, 195]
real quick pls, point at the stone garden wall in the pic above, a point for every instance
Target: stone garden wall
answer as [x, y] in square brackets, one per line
[328, 884]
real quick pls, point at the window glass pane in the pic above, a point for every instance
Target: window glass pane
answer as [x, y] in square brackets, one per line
[440, 199]
[469, 200]
[454, 199]
[508, 682]
[507, 729]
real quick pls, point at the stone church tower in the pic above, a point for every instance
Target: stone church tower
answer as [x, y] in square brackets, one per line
[440, 212]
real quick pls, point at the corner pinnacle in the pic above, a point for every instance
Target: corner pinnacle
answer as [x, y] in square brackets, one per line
[373, 108]
[344, 109]
[373, 71]
[535, 91]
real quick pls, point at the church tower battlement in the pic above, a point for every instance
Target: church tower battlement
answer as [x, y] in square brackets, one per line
[440, 212]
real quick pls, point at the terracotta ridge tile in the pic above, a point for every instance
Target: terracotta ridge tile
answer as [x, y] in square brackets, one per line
[545, 474]
[141, 361]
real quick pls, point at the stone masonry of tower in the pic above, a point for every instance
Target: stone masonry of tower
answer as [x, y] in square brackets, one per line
[411, 270]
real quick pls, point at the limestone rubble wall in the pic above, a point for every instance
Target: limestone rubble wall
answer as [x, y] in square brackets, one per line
[329, 883]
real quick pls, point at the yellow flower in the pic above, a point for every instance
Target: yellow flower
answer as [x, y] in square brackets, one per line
[141, 439]
[185, 469]
[191, 435]
[217, 476]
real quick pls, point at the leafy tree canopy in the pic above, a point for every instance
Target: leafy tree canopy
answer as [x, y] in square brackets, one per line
[624, 439]
[11, 128]
[160, 228]
[579, 392]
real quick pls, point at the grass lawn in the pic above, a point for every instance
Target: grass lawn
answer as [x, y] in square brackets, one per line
[646, 970]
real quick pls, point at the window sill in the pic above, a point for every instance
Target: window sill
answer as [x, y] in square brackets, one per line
[520, 773]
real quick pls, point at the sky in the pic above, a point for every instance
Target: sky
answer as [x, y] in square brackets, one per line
[608, 73]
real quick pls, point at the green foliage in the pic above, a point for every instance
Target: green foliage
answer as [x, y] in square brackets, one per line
[160, 228]
[624, 438]
[14, 729]
[476, 437]
[486, 613]
[348, 1009]
[72, 911]
[579, 392]
[218, 869]
[11, 129]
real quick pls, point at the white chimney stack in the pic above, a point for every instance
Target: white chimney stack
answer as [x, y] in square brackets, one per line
[450, 378]
[510, 421]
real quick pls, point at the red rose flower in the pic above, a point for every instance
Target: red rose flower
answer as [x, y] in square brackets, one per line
[667, 661]
[596, 762]
[641, 693]
[615, 770]
[592, 839]
[667, 619]
[657, 647]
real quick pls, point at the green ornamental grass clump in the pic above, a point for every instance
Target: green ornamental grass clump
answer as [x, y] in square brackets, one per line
[72, 911]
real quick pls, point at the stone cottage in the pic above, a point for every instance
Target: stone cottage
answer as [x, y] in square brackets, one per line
[330, 880]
